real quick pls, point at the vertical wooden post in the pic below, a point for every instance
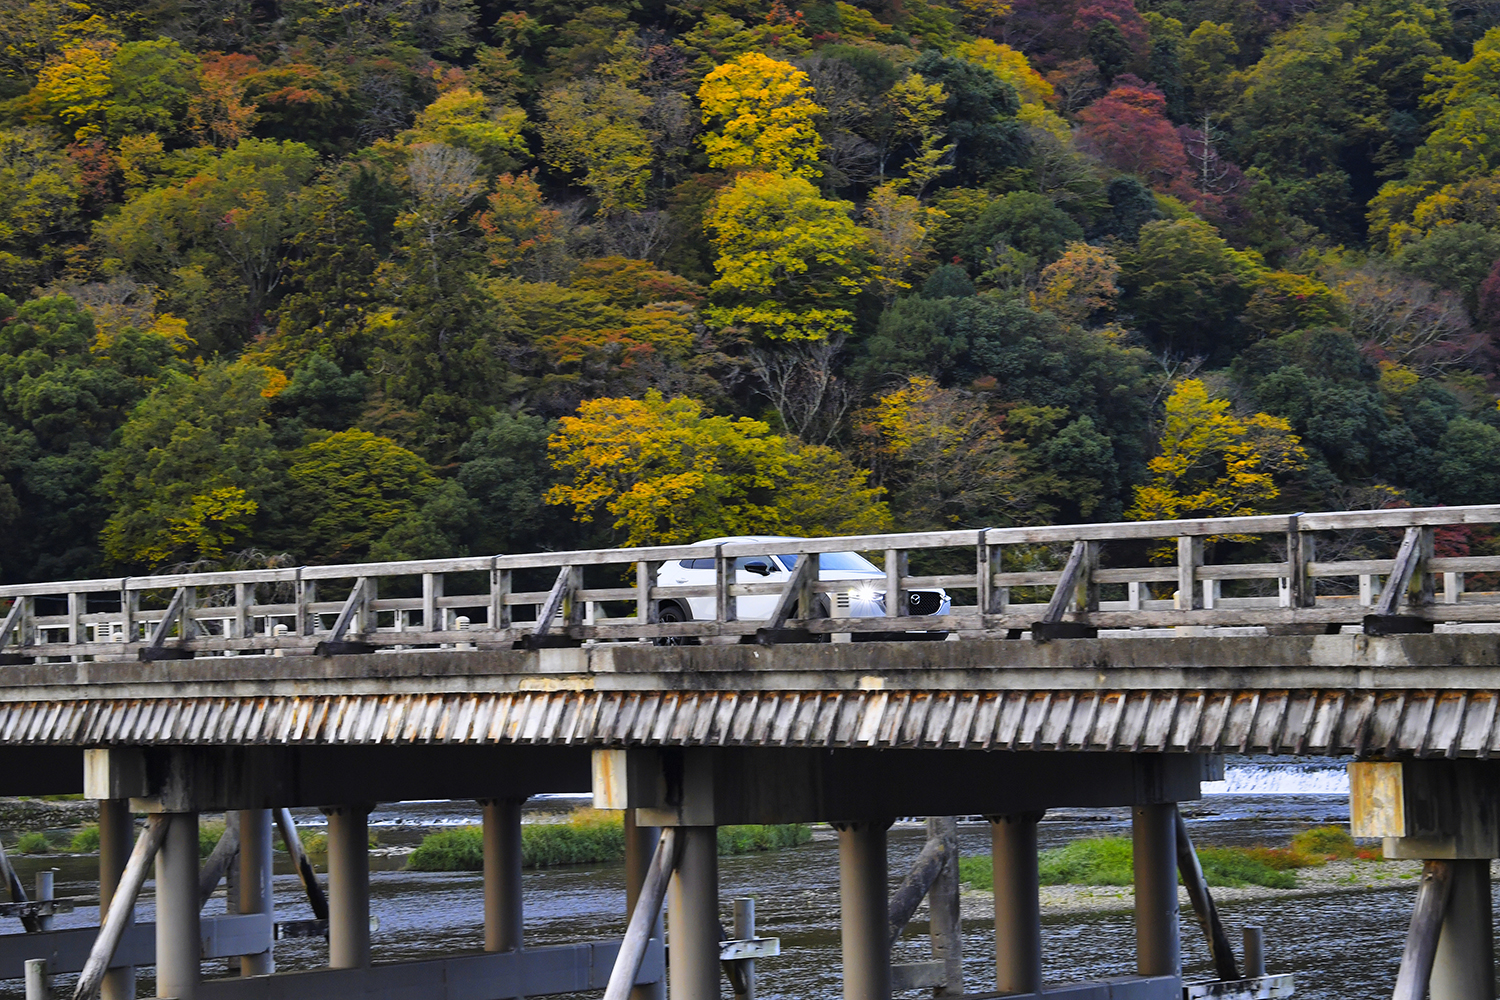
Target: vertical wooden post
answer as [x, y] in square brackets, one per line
[895, 572]
[645, 611]
[1423, 589]
[432, 589]
[1453, 587]
[76, 604]
[945, 930]
[307, 593]
[807, 597]
[255, 882]
[1189, 558]
[1086, 597]
[244, 598]
[500, 584]
[724, 577]
[348, 886]
[130, 603]
[1301, 549]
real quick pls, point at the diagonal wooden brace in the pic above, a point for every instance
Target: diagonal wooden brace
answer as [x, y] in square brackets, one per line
[1409, 557]
[1074, 573]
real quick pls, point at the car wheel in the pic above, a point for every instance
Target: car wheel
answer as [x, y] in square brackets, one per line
[670, 613]
[823, 611]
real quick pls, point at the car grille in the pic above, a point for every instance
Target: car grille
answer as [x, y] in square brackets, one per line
[923, 602]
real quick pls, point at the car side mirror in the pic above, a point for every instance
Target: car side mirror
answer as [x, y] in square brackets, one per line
[758, 568]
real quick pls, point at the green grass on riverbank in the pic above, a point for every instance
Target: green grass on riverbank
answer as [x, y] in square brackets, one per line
[1107, 861]
[588, 836]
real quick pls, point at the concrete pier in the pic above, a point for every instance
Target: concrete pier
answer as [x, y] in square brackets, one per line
[348, 886]
[1018, 920]
[177, 932]
[503, 910]
[640, 845]
[1464, 968]
[255, 882]
[116, 838]
[864, 910]
[693, 917]
[1158, 947]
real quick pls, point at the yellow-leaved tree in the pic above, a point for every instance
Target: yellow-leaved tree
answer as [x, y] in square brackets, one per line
[1211, 463]
[790, 262]
[668, 474]
[765, 116]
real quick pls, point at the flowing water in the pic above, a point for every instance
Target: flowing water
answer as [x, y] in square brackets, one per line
[1341, 945]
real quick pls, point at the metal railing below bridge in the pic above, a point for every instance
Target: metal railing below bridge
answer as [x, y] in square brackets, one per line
[1386, 569]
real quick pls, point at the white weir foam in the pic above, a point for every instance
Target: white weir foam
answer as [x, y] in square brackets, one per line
[1280, 779]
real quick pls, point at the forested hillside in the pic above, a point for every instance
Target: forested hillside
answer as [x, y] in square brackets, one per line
[313, 281]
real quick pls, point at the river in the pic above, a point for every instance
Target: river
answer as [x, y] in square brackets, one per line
[1339, 945]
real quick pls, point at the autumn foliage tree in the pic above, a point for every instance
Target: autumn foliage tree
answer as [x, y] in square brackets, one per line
[667, 473]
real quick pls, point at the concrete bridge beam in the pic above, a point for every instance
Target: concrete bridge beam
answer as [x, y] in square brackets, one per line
[864, 910]
[1018, 919]
[177, 905]
[348, 886]
[693, 917]
[1158, 946]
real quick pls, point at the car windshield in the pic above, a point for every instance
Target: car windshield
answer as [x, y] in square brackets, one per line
[835, 561]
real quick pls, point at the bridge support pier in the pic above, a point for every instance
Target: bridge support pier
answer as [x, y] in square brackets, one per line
[1018, 918]
[255, 886]
[116, 840]
[693, 916]
[1158, 946]
[503, 910]
[348, 886]
[177, 932]
[1464, 968]
[640, 845]
[864, 910]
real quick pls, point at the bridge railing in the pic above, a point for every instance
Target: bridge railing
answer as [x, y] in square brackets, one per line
[1391, 570]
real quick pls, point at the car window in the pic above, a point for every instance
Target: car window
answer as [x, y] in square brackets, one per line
[835, 561]
[698, 563]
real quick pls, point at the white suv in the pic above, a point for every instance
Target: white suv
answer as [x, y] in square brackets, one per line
[864, 597]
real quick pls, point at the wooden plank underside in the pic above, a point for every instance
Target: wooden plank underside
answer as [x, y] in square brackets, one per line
[1334, 722]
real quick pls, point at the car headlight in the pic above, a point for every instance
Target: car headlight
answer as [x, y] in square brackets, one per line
[866, 594]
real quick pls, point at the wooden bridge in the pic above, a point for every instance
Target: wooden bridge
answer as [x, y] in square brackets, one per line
[1090, 665]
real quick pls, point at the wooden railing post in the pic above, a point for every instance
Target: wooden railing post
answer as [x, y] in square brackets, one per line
[992, 599]
[895, 571]
[500, 585]
[432, 589]
[307, 593]
[807, 595]
[645, 578]
[1189, 558]
[1301, 549]
[1424, 586]
[724, 576]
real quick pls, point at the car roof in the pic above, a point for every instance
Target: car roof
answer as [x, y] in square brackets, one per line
[750, 538]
